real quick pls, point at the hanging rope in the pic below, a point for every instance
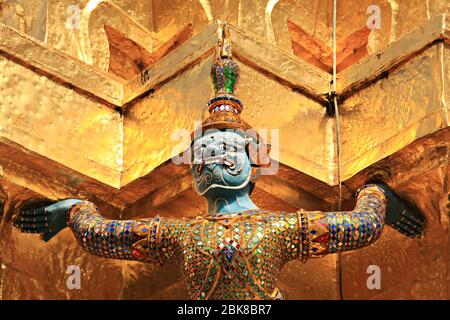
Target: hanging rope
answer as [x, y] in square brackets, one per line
[333, 96]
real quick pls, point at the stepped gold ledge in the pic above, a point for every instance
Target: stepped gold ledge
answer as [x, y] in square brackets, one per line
[377, 65]
[280, 65]
[48, 177]
[394, 111]
[257, 53]
[94, 44]
[58, 65]
[267, 58]
[195, 49]
[56, 122]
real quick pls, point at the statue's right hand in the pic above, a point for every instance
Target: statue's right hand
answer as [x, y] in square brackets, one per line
[48, 220]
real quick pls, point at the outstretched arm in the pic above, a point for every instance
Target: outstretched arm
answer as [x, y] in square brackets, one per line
[320, 233]
[143, 240]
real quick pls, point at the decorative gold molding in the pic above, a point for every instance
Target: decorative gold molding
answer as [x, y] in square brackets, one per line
[250, 49]
[359, 75]
[57, 65]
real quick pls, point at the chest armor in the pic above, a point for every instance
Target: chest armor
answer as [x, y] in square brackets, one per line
[234, 257]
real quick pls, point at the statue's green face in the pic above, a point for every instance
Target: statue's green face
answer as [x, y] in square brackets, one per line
[220, 161]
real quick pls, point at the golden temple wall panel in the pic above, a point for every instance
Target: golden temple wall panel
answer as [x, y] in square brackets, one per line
[94, 44]
[160, 20]
[58, 35]
[410, 14]
[393, 112]
[77, 29]
[397, 18]
[316, 279]
[269, 105]
[170, 16]
[352, 16]
[146, 281]
[314, 19]
[150, 123]
[57, 122]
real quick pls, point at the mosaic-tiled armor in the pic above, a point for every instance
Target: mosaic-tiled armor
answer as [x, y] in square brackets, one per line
[232, 256]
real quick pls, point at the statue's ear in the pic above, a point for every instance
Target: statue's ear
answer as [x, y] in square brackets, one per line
[259, 153]
[256, 172]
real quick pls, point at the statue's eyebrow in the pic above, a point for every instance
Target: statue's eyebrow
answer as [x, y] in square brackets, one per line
[236, 142]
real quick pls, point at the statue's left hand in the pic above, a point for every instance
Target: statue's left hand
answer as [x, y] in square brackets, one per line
[401, 216]
[48, 220]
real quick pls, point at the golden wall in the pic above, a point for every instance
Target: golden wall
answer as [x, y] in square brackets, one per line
[71, 125]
